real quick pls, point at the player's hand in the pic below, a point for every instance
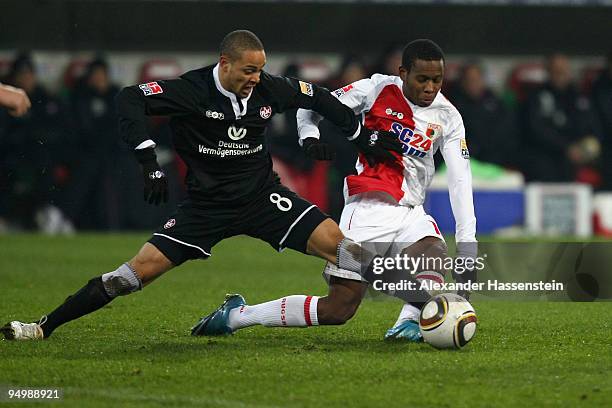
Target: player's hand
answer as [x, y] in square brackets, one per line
[155, 181]
[377, 145]
[317, 150]
[15, 100]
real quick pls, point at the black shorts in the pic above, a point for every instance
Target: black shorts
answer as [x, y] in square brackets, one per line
[276, 215]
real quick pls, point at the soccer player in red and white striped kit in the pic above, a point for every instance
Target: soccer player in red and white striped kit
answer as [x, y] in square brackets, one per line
[384, 201]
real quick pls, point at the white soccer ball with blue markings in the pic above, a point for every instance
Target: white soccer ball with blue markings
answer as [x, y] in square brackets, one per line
[448, 321]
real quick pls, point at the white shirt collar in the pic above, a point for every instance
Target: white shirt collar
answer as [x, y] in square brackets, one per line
[235, 105]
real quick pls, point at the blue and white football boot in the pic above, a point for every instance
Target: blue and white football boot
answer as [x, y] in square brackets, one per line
[408, 330]
[215, 324]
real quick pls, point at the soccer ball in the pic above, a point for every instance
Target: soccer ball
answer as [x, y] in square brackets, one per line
[447, 321]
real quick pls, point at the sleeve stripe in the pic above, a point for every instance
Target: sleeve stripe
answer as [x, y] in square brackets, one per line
[356, 132]
[147, 143]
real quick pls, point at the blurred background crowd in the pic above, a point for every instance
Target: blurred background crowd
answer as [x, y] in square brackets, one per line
[63, 166]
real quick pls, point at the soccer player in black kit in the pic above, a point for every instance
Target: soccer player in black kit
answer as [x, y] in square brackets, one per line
[219, 115]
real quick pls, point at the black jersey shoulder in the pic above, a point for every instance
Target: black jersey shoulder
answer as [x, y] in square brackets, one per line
[281, 92]
[202, 79]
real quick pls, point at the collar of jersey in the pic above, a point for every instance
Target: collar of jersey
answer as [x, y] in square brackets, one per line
[232, 97]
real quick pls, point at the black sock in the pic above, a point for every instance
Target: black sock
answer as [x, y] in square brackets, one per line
[89, 298]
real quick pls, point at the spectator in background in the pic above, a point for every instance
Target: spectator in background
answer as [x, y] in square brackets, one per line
[561, 129]
[92, 200]
[489, 126]
[602, 101]
[32, 156]
[389, 61]
[352, 69]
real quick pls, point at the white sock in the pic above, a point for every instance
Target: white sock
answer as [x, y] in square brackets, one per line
[290, 311]
[408, 312]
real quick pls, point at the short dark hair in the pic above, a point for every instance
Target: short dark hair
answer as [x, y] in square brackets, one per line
[239, 41]
[422, 49]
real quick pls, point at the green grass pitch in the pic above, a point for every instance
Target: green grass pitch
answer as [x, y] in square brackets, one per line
[138, 352]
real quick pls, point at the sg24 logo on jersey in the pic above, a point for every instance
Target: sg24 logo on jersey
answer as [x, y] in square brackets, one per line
[413, 144]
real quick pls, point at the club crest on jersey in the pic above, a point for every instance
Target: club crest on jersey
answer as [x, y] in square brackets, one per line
[306, 88]
[265, 112]
[235, 133]
[465, 153]
[433, 130]
[151, 88]
[171, 223]
[341, 91]
[398, 115]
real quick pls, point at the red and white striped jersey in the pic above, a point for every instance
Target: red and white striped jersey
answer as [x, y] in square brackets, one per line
[422, 131]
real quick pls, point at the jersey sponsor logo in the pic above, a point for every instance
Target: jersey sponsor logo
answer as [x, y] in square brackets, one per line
[151, 88]
[306, 88]
[398, 115]
[465, 153]
[265, 112]
[413, 144]
[171, 223]
[215, 115]
[235, 133]
[341, 91]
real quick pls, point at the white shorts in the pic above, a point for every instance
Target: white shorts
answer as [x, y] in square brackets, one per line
[377, 217]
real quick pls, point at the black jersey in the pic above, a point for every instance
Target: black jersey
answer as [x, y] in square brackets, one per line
[220, 136]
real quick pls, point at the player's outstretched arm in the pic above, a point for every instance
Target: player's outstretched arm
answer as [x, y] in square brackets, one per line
[376, 146]
[15, 100]
[456, 156]
[292, 93]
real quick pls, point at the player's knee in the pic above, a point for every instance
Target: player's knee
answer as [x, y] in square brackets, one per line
[350, 255]
[122, 281]
[149, 263]
[429, 246]
[324, 240]
[438, 248]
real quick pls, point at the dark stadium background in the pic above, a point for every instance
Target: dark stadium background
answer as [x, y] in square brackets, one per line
[505, 28]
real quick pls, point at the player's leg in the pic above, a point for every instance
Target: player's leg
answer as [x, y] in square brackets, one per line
[336, 308]
[342, 301]
[420, 239]
[324, 241]
[188, 234]
[434, 250]
[130, 277]
[340, 304]
[355, 259]
[304, 228]
[285, 220]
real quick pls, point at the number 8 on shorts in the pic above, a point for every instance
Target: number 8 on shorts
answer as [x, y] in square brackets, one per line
[283, 203]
